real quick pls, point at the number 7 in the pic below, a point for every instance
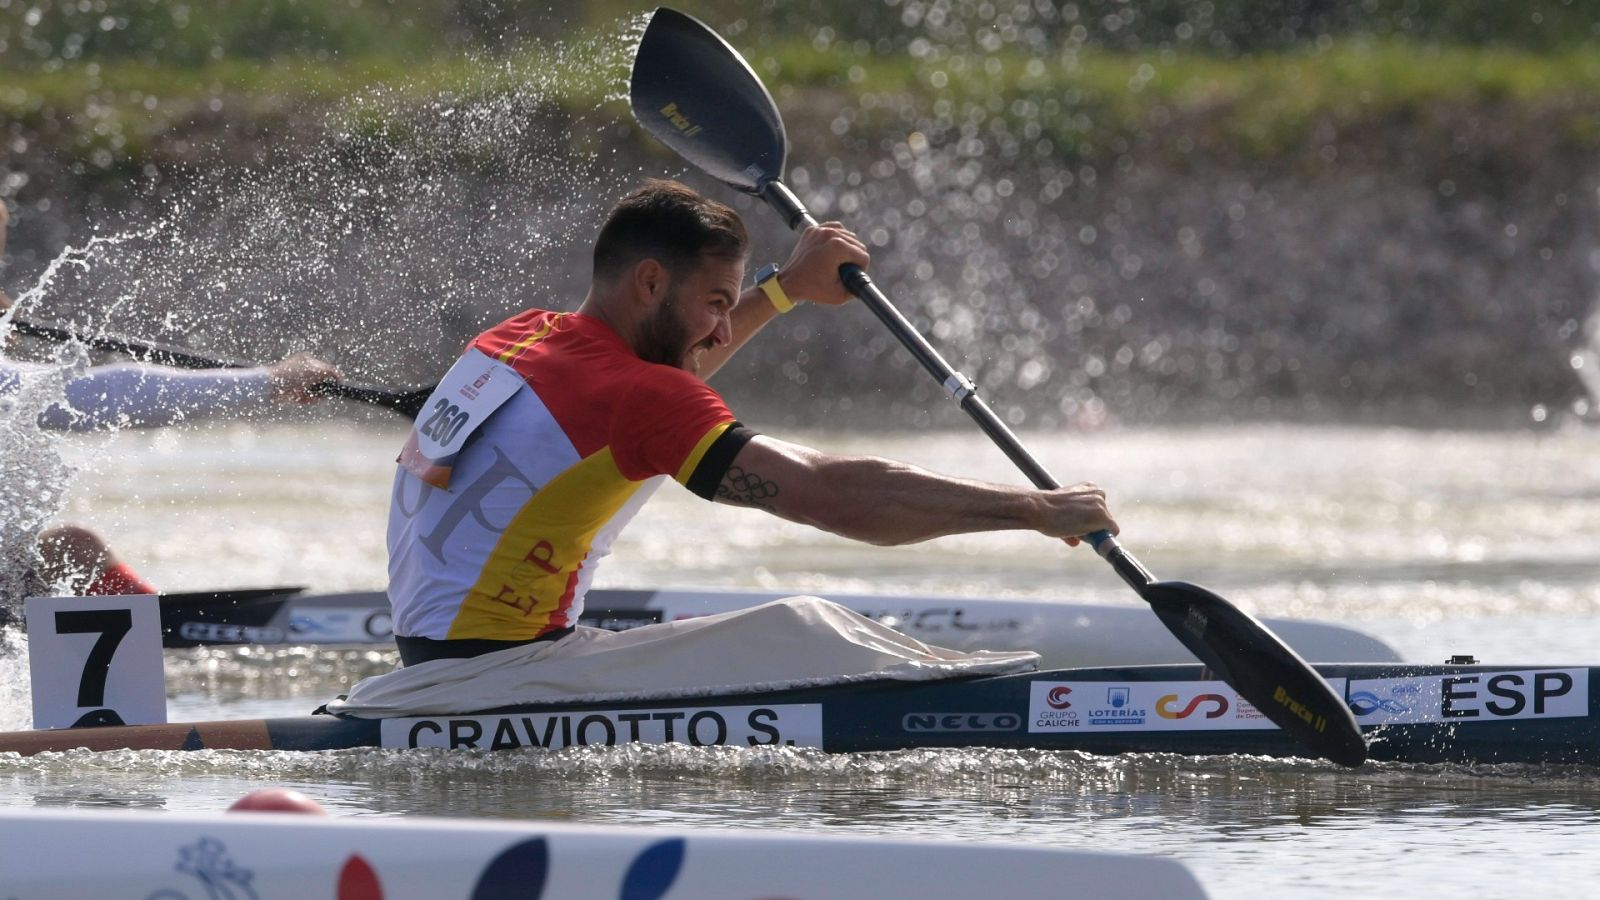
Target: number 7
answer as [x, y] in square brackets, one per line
[112, 625]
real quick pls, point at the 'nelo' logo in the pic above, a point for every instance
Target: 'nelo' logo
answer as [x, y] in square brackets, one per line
[1164, 706]
[1001, 721]
[1057, 698]
[679, 120]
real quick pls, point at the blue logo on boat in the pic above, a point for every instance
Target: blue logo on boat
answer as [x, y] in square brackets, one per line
[1365, 703]
[207, 861]
[309, 625]
[1117, 697]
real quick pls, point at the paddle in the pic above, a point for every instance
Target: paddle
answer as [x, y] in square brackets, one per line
[233, 616]
[406, 403]
[698, 96]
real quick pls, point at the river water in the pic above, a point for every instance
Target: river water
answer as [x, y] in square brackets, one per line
[1440, 542]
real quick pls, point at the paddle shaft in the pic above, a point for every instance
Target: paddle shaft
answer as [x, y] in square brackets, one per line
[958, 386]
[182, 359]
[695, 93]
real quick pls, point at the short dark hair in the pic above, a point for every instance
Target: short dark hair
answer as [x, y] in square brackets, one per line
[670, 223]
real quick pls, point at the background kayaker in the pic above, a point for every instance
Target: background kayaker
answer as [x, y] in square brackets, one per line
[104, 398]
[553, 429]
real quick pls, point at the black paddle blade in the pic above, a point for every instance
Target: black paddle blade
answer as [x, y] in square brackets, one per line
[1260, 667]
[698, 96]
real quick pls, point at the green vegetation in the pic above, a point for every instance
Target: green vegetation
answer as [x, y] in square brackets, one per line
[1264, 106]
[1085, 103]
[107, 87]
[1459, 130]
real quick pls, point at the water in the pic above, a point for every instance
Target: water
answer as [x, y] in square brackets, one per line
[1441, 542]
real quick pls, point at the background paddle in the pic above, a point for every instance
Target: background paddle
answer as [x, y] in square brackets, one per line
[697, 95]
[406, 403]
[230, 616]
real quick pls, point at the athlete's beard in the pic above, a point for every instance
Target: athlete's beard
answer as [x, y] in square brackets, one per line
[662, 337]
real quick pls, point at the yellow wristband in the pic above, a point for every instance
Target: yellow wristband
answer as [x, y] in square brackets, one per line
[774, 291]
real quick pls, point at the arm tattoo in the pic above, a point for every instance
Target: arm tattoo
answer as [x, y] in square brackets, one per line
[743, 488]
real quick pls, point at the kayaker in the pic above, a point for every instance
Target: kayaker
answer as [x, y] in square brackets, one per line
[552, 430]
[112, 397]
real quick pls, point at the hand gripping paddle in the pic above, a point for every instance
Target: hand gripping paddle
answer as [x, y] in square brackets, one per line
[697, 95]
[406, 403]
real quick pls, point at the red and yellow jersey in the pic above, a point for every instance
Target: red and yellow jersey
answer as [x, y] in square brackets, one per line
[541, 487]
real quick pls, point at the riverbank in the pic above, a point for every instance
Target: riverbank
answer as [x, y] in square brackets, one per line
[1356, 229]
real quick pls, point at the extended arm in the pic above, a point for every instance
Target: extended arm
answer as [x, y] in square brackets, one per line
[884, 502]
[131, 396]
[137, 396]
[810, 276]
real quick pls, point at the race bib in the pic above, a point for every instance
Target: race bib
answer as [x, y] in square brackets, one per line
[470, 392]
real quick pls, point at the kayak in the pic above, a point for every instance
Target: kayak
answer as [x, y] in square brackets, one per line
[252, 854]
[1454, 713]
[1063, 633]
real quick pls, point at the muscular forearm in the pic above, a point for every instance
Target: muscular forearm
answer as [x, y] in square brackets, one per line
[887, 503]
[883, 502]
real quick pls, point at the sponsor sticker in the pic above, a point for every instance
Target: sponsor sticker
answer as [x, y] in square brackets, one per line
[1142, 706]
[618, 619]
[949, 620]
[1471, 697]
[341, 624]
[968, 721]
[784, 725]
[218, 632]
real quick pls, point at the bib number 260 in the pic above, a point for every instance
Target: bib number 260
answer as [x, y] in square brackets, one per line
[445, 422]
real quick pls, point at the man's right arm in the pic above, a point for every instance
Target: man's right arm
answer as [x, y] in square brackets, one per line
[880, 501]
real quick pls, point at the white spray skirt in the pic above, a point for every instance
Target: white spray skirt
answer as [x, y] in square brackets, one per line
[798, 642]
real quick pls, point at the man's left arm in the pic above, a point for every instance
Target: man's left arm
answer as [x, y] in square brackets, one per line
[810, 276]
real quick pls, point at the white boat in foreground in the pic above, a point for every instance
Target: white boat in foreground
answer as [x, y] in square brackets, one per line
[76, 854]
[1066, 634]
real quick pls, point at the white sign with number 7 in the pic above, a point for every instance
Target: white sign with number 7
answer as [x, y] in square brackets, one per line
[96, 661]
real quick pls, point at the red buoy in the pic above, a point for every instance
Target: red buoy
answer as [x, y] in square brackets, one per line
[277, 800]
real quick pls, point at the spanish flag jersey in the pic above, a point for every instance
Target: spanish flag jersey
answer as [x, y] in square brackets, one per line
[505, 500]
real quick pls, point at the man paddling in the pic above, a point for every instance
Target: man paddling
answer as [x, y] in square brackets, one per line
[551, 431]
[74, 559]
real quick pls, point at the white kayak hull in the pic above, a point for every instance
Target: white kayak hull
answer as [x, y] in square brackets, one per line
[45, 854]
[1065, 634]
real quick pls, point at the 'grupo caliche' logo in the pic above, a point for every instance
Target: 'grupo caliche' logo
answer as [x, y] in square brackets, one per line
[1057, 698]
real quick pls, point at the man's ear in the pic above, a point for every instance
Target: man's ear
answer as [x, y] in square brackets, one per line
[651, 281]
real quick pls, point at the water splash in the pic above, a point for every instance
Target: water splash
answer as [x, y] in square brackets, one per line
[1586, 365]
[16, 693]
[371, 234]
[368, 242]
[35, 476]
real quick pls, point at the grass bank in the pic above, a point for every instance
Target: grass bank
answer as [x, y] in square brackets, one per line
[1089, 104]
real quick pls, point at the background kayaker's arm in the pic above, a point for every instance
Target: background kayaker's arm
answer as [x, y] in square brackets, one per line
[810, 276]
[143, 396]
[880, 501]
